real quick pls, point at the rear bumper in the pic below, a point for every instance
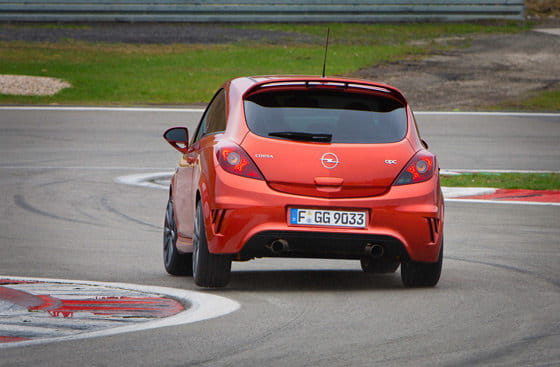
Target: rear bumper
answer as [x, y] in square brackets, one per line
[243, 216]
[324, 245]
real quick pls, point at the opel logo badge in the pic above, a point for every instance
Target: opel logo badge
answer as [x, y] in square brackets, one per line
[329, 160]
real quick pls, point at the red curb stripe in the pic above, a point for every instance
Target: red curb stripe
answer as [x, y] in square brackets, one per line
[109, 306]
[11, 339]
[20, 298]
[155, 307]
[121, 300]
[541, 196]
[145, 307]
[48, 303]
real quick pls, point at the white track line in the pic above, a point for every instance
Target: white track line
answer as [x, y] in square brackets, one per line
[458, 192]
[100, 168]
[100, 108]
[203, 307]
[479, 201]
[195, 109]
[508, 114]
[145, 180]
[451, 193]
[457, 171]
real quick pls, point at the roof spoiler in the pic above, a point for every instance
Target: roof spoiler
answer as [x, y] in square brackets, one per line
[344, 84]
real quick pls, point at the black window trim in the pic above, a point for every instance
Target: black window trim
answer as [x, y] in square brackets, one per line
[196, 138]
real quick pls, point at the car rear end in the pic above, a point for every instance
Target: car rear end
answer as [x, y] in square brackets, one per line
[326, 168]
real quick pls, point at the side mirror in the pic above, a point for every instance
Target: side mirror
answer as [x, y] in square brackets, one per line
[178, 138]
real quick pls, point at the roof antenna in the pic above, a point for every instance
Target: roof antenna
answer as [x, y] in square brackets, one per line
[326, 48]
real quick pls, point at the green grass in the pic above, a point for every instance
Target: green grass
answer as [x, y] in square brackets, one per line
[171, 75]
[102, 73]
[530, 181]
[541, 101]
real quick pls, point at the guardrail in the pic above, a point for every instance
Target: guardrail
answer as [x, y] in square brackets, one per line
[259, 10]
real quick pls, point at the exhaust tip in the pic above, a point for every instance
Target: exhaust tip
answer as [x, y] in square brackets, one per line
[374, 250]
[279, 246]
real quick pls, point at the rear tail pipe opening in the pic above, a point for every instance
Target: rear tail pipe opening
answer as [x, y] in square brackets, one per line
[279, 246]
[374, 250]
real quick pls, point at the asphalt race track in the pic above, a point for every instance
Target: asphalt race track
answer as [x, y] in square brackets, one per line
[63, 216]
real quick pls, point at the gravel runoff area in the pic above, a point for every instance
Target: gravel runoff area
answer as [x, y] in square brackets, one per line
[25, 85]
[492, 69]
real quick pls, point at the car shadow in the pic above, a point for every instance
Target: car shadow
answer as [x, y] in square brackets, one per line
[312, 280]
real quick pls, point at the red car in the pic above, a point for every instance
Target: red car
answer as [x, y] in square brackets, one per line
[305, 167]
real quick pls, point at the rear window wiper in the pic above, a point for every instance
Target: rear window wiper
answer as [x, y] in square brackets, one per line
[295, 135]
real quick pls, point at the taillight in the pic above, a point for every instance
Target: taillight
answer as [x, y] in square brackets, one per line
[234, 159]
[419, 169]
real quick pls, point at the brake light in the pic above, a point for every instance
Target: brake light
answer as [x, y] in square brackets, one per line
[233, 159]
[419, 169]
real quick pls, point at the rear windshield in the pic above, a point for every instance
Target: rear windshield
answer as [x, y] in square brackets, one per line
[346, 117]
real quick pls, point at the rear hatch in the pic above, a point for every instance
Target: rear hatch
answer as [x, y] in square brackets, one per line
[327, 143]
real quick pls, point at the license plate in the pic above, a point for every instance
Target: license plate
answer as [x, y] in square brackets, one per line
[331, 218]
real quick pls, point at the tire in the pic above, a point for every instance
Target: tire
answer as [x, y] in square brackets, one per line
[174, 262]
[372, 266]
[421, 274]
[209, 270]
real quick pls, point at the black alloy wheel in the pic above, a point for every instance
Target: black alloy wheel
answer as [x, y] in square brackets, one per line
[175, 263]
[209, 270]
[422, 274]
